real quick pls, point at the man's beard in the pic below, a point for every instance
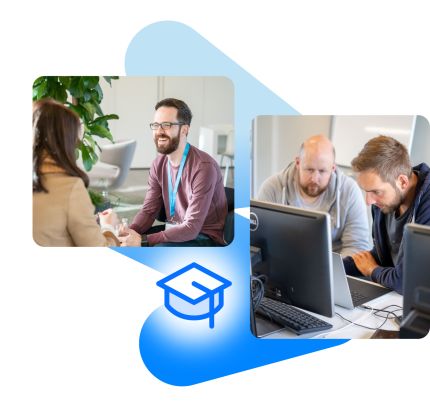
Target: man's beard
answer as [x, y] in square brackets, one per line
[395, 204]
[169, 147]
[313, 190]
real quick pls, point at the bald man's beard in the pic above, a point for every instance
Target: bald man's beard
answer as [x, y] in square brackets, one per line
[169, 145]
[312, 189]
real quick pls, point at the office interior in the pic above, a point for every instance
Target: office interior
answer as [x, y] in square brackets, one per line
[276, 142]
[122, 171]
[276, 139]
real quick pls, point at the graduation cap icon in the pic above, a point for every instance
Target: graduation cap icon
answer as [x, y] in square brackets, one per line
[194, 293]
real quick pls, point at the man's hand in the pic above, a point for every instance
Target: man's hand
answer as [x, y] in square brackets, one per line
[365, 262]
[130, 238]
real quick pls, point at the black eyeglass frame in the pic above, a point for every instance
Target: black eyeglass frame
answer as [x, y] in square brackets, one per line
[164, 125]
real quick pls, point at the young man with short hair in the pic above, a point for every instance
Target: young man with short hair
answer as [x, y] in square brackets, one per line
[399, 194]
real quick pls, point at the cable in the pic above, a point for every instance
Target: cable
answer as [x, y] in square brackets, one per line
[375, 312]
[383, 309]
[387, 316]
[257, 293]
[257, 289]
[360, 325]
[392, 312]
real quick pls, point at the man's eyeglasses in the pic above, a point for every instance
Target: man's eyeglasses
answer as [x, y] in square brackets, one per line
[164, 125]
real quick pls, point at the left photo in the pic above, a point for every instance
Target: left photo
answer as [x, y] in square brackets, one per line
[133, 161]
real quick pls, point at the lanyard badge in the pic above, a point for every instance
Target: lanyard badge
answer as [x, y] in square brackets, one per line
[173, 191]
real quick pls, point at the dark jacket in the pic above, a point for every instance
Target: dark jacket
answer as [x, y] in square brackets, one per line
[388, 274]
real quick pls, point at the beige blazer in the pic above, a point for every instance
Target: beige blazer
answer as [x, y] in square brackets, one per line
[65, 215]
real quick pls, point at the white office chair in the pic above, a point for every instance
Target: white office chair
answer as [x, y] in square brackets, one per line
[110, 172]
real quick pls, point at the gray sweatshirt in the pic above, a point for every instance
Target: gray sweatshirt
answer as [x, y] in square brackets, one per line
[343, 201]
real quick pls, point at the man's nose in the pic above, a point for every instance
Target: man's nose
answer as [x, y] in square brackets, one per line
[315, 176]
[369, 199]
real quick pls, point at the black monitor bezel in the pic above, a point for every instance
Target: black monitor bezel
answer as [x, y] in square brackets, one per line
[416, 265]
[317, 298]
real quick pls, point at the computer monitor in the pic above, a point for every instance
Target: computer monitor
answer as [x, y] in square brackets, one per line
[295, 247]
[416, 269]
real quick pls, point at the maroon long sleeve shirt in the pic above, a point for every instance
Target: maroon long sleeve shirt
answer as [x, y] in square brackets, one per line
[201, 204]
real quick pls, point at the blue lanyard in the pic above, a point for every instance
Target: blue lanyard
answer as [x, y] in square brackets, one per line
[172, 193]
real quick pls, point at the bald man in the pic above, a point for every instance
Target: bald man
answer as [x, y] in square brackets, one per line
[312, 181]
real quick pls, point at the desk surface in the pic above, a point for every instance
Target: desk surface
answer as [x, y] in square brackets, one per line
[342, 328]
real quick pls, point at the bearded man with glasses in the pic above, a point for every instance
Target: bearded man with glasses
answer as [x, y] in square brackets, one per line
[183, 180]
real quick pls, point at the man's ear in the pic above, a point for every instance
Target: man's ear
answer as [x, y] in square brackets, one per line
[185, 129]
[402, 182]
[297, 161]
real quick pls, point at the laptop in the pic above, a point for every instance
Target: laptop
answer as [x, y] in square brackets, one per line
[350, 292]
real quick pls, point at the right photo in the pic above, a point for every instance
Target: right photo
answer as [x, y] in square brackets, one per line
[340, 227]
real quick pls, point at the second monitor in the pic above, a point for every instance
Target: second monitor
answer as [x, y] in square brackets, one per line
[295, 248]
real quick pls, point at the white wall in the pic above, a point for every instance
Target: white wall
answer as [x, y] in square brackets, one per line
[351, 132]
[211, 100]
[276, 142]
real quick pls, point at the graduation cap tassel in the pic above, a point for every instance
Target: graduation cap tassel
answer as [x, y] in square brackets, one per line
[211, 311]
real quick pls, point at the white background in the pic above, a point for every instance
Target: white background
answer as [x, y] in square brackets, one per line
[70, 319]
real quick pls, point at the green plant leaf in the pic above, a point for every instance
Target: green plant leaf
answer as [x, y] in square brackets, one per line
[52, 88]
[98, 109]
[59, 93]
[93, 156]
[77, 87]
[99, 130]
[65, 81]
[82, 112]
[95, 98]
[91, 144]
[96, 197]
[105, 118]
[110, 78]
[86, 159]
[90, 108]
[98, 94]
[39, 92]
[38, 81]
[90, 82]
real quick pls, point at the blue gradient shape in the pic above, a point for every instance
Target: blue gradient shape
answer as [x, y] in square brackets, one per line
[178, 351]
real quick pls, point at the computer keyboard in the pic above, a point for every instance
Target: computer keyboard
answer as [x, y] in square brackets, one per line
[358, 298]
[294, 319]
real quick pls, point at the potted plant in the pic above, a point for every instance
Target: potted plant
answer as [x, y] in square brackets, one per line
[83, 94]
